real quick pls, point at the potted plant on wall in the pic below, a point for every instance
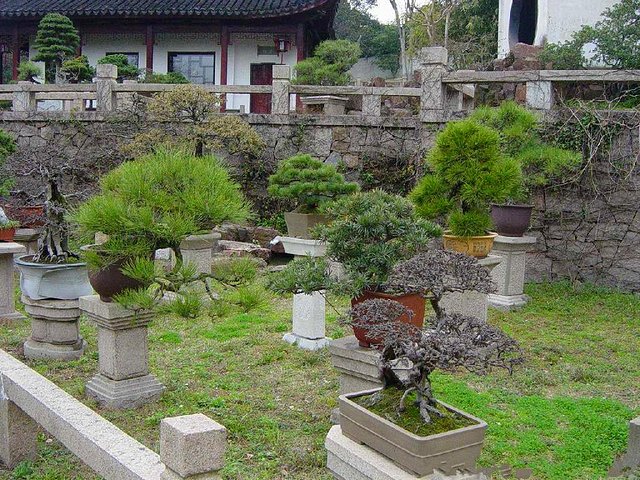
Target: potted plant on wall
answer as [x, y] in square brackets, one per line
[403, 420]
[310, 183]
[151, 203]
[541, 163]
[370, 233]
[7, 227]
[467, 173]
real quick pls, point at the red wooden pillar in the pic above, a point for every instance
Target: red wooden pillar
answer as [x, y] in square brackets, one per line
[224, 62]
[300, 55]
[149, 40]
[16, 53]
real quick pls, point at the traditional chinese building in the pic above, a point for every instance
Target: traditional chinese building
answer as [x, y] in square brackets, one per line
[226, 42]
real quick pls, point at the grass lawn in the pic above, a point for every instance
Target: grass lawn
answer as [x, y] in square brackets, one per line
[563, 414]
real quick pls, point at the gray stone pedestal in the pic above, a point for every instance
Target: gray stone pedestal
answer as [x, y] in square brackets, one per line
[358, 366]
[8, 312]
[199, 250]
[474, 304]
[309, 311]
[28, 237]
[55, 332]
[509, 275]
[123, 380]
[349, 460]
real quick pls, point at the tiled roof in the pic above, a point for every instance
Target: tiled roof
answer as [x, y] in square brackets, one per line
[192, 8]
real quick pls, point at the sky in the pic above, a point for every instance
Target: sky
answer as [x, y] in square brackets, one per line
[383, 12]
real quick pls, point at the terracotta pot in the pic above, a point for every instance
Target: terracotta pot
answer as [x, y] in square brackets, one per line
[300, 224]
[478, 247]
[110, 281]
[414, 302]
[31, 216]
[511, 220]
[7, 234]
[453, 450]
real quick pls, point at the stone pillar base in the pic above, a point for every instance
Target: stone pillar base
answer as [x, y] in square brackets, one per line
[349, 460]
[34, 350]
[508, 302]
[306, 343]
[358, 366]
[10, 318]
[122, 394]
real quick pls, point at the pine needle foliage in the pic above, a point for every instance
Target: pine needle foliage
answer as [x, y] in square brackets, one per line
[125, 69]
[7, 147]
[329, 64]
[56, 40]
[308, 181]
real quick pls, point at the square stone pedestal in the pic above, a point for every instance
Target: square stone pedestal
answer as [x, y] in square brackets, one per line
[55, 329]
[8, 312]
[349, 460]
[358, 366]
[474, 304]
[199, 249]
[509, 275]
[123, 380]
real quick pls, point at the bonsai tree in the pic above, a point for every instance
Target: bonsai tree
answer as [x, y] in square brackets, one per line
[28, 71]
[467, 172]
[126, 71]
[186, 118]
[329, 64]
[171, 77]
[410, 355]
[7, 147]
[78, 70]
[370, 233]
[56, 40]
[309, 182]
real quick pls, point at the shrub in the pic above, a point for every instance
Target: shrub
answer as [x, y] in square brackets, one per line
[171, 77]
[308, 181]
[125, 70]
[467, 173]
[329, 64]
[28, 71]
[156, 201]
[7, 147]
[78, 70]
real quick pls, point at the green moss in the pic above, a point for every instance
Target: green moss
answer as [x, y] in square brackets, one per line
[387, 407]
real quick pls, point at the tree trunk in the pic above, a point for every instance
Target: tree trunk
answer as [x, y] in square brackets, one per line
[401, 37]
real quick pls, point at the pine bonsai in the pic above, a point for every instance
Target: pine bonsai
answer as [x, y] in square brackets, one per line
[329, 64]
[309, 182]
[28, 71]
[467, 173]
[125, 69]
[78, 70]
[410, 355]
[56, 40]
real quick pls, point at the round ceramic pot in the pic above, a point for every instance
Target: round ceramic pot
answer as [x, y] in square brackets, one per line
[511, 220]
[478, 247]
[7, 234]
[414, 302]
[64, 281]
[300, 224]
[110, 281]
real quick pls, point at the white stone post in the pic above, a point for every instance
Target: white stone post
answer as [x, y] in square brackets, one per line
[24, 100]
[433, 100]
[106, 99]
[199, 250]
[280, 102]
[371, 105]
[123, 380]
[474, 304]
[55, 329]
[308, 310]
[540, 95]
[7, 290]
[18, 433]
[192, 447]
[509, 275]
[358, 366]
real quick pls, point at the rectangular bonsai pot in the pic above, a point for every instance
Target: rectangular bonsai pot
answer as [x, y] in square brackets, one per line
[449, 451]
[300, 224]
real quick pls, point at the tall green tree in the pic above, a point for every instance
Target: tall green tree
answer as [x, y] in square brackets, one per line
[56, 41]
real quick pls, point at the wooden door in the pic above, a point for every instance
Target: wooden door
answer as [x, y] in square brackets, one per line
[261, 74]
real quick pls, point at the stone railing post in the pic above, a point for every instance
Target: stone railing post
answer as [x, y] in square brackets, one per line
[192, 447]
[371, 105]
[123, 380]
[433, 101]
[24, 100]
[540, 95]
[280, 101]
[106, 100]
[18, 433]
[199, 250]
[8, 312]
[55, 329]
